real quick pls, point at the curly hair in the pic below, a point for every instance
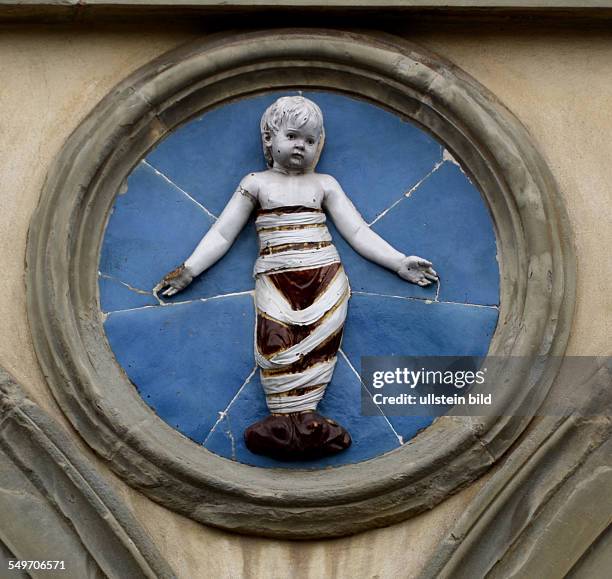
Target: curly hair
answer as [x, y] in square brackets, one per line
[298, 110]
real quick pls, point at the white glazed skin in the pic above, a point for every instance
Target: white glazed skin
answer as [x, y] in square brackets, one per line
[291, 181]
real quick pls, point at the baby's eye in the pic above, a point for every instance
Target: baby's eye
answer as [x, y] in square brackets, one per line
[310, 142]
[291, 136]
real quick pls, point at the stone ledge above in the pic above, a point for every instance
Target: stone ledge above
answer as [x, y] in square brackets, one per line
[359, 14]
[378, 4]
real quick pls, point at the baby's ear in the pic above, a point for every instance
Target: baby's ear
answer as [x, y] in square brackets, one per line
[267, 137]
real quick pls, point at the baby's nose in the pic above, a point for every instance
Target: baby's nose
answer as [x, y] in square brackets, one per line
[299, 143]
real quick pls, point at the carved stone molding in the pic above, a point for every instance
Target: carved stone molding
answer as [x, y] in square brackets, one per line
[56, 507]
[533, 237]
[547, 511]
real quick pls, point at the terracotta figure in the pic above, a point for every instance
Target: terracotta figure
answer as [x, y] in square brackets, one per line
[301, 290]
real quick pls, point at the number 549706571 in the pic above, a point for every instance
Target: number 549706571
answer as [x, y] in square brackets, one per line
[24, 565]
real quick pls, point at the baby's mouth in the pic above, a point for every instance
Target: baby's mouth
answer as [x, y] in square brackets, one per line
[297, 155]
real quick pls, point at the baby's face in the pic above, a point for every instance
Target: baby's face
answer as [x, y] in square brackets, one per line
[296, 148]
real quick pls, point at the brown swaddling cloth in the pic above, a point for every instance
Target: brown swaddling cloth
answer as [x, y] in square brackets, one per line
[301, 296]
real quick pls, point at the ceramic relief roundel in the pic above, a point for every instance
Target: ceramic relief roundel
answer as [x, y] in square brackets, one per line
[191, 356]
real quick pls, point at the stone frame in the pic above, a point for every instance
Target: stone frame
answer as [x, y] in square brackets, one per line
[537, 267]
[67, 508]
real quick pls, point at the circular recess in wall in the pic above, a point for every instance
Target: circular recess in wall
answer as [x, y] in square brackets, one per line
[122, 144]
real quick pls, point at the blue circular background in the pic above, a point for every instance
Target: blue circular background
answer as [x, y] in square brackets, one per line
[191, 359]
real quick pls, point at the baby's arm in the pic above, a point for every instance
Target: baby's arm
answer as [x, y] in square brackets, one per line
[368, 243]
[217, 241]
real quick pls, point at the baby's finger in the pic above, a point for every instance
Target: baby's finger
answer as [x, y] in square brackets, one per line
[430, 276]
[423, 282]
[424, 263]
[160, 287]
[432, 271]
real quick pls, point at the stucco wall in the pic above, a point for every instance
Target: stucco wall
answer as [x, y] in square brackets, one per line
[557, 84]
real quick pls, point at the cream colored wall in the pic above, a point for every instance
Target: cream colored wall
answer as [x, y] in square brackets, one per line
[557, 84]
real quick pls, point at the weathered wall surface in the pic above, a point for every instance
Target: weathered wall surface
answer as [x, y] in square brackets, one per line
[557, 84]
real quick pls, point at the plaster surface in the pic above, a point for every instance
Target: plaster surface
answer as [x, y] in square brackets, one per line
[557, 84]
[50, 82]
[397, 551]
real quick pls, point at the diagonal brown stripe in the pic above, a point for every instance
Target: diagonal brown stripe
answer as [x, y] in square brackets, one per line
[322, 352]
[302, 288]
[273, 337]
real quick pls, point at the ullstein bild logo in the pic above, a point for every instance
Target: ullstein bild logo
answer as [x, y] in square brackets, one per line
[467, 385]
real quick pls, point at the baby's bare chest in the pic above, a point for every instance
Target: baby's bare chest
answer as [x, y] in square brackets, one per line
[291, 193]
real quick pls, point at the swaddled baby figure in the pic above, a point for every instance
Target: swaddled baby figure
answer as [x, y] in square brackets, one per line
[301, 290]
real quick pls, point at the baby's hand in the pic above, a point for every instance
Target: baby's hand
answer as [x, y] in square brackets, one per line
[173, 282]
[417, 270]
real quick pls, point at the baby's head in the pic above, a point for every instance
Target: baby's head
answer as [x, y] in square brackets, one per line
[292, 113]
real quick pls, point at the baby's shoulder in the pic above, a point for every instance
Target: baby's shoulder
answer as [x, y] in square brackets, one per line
[327, 182]
[252, 182]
